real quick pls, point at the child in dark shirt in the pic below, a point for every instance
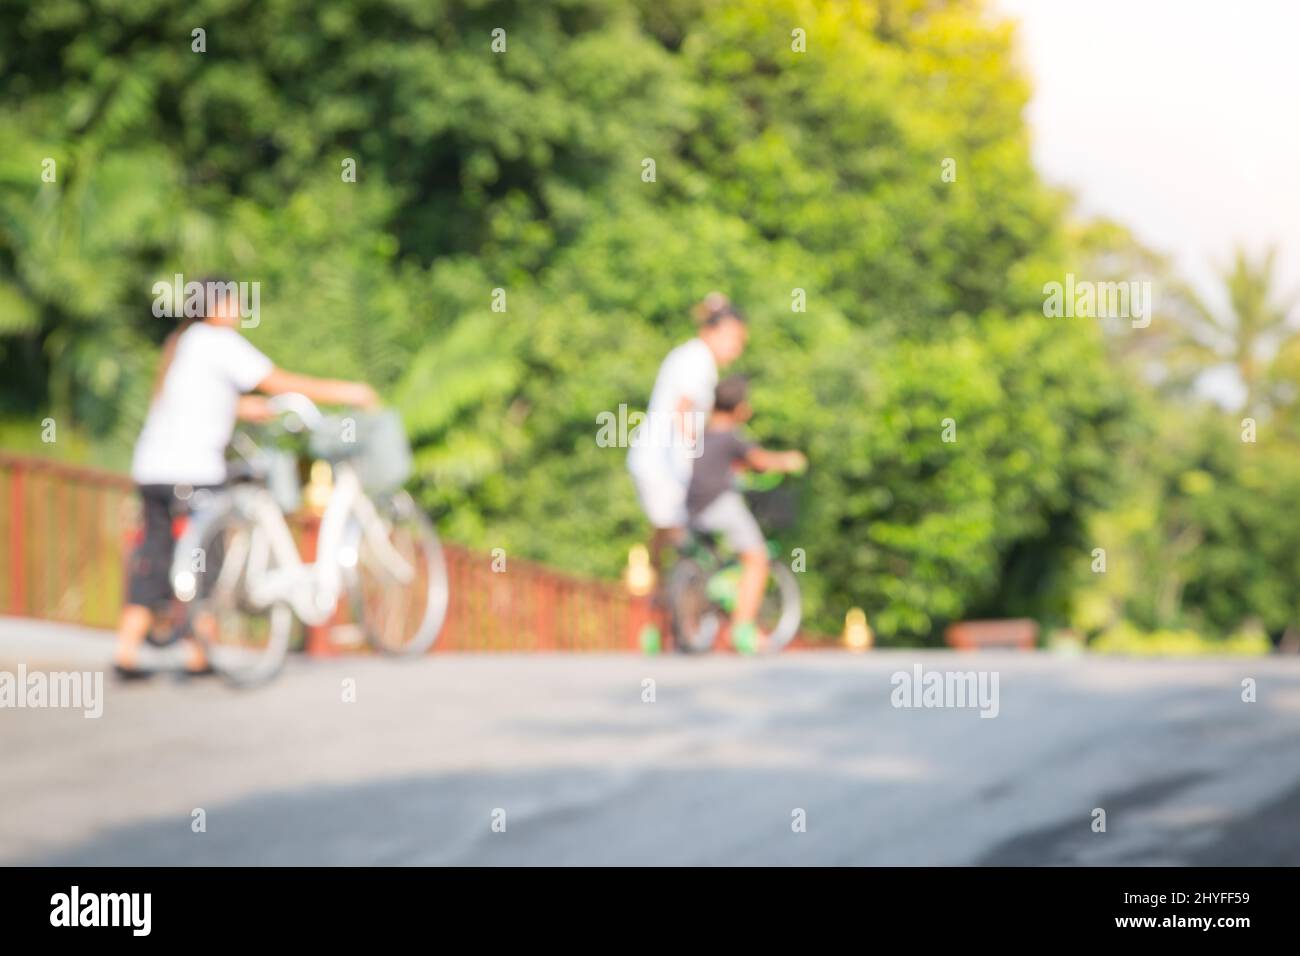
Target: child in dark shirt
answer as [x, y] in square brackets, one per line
[713, 503]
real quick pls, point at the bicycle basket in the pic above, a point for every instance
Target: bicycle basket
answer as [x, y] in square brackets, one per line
[374, 442]
[776, 509]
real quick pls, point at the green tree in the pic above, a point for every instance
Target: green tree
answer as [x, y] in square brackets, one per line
[1253, 332]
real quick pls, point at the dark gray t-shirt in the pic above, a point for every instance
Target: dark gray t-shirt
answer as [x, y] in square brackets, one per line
[713, 474]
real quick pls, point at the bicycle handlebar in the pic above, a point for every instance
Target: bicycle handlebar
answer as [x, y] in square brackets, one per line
[766, 480]
[297, 413]
[299, 405]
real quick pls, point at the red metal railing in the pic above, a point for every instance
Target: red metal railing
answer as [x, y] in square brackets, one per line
[63, 530]
[66, 528]
[528, 607]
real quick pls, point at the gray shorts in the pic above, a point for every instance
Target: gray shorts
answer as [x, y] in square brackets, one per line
[729, 516]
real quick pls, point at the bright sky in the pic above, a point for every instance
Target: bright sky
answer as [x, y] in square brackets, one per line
[1179, 118]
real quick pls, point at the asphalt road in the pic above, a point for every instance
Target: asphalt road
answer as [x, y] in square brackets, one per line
[580, 769]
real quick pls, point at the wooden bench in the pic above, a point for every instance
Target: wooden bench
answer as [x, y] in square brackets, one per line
[1019, 633]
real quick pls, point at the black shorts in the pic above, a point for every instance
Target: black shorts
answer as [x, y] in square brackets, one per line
[148, 572]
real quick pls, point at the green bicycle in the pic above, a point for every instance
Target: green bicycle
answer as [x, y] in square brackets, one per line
[703, 583]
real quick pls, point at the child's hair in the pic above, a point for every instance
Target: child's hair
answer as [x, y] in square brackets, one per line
[713, 308]
[730, 393]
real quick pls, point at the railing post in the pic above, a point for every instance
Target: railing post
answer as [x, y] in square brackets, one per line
[544, 608]
[17, 540]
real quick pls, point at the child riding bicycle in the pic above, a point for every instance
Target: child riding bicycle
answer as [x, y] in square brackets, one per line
[714, 505]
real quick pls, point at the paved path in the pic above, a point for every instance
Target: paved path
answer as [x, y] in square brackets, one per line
[710, 772]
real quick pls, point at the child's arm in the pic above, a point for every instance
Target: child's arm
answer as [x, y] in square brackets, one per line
[761, 459]
[254, 408]
[325, 390]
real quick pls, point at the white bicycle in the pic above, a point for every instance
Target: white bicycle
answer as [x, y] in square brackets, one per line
[237, 566]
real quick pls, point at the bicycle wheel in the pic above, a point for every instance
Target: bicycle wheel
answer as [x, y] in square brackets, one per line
[781, 610]
[245, 644]
[695, 619]
[398, 581]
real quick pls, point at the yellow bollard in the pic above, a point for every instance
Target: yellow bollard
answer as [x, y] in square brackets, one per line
[639, 576]
[857, 633]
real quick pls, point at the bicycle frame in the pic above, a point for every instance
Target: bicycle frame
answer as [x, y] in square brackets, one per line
[267, 555]
[698, 547]
[276, 572]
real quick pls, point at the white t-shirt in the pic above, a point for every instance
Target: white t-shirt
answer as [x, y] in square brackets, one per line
[690, 371]
[191, 420]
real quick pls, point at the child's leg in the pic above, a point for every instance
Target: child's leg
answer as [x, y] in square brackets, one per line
[147, 585]
[203, 624]
[753, 579]
[729, 515]
[663, 540]
[196, 659]
[132, 626]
